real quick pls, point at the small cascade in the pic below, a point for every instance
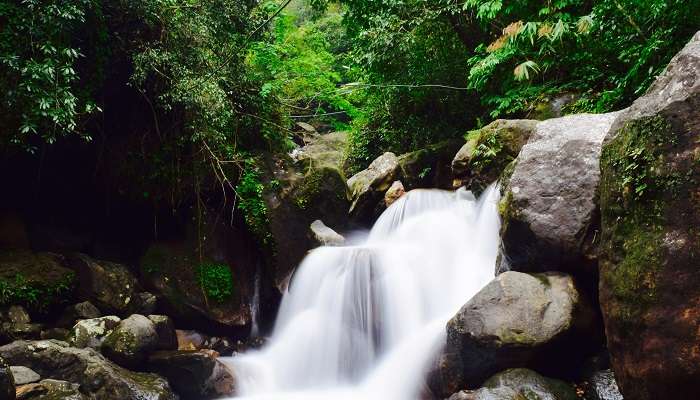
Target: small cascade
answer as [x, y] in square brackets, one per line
[255, 305]
[364, 321]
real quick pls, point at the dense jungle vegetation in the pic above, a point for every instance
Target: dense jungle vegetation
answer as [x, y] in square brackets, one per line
[225, 81]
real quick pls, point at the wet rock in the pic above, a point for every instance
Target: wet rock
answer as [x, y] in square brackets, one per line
[518, 320]
[165, 330]
[193, 340]
[325, 236]
[519, 384]
[429, 167]
[7, 382]
[603, 386]
[92, 332]
[488, 151]
[194, 375]
[549, 204]
[110, 286]
[75, 312]
[130, 342]
[395, 191]
[367, 187]
[97, 376]
[650, 246]
[50, 389]
[24, 375]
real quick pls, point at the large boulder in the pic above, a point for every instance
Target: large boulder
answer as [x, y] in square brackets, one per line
[195, 375]
[480, 161]
[97, 377]
[110, 286]
[7, 382]
[519, 384]
[92, 332]
[130, 342]
[38, 281]
[549, 204]
[429, 167]
[536, 321]
[367, 187]
[322, 150]
[650, 242]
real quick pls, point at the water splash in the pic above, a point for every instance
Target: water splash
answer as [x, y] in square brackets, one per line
[363, 321]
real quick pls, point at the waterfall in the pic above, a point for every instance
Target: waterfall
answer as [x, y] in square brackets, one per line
[364, 321]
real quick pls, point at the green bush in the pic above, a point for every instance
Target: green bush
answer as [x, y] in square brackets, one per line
[216, 281]
[35, 296]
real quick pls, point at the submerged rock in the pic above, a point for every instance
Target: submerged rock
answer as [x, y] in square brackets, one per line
[367, 187]
[130, 342]
[92, 332]
[97, 376]
[519, 384]
[650, 246]
[518, 320]
[195, 375]
[488, 151]
[549, 204]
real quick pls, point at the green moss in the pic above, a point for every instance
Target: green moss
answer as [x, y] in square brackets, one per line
[216, 281]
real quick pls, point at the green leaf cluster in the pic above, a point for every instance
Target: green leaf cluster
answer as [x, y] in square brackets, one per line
[216, 281]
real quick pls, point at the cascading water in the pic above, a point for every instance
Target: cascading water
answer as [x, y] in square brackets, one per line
[362, 322]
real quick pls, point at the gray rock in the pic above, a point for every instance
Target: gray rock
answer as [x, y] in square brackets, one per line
[395, 191]
[550, 203]
[480, 161]
[518, 320]
[24, 375]
[165, 329]
[50, 389]
[97, 376]
[325, 236]
[110, 286]
[131, 341]
[603, 386]
[7, 382]
[519, 384]
[194, 375]
[650, 248]
[327, 150]
[367, 187]
[92, 332]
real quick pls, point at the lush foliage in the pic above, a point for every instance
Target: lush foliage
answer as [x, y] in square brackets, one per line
[35, 296]
[216, 281]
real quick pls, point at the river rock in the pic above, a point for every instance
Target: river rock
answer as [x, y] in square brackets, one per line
[111, 286]
[519, 384]
[603, 386]
[429, 167]
[488, 151]
[92, 332]
[367, 187]
[325, 236]
[188, 340]
[650, 246]
[549, 204]
[75, 312]
[536, 321]
[50, 389]
[97, 376]
[24, 375]
[165, 330]
[131, 341]
[16, 324]
[7, 382]
[395, 191]
[194, 375]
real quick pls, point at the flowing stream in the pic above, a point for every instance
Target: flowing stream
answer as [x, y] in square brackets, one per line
[364, 321]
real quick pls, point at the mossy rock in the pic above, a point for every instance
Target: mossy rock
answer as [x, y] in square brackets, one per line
[37, 281]
[482, 159]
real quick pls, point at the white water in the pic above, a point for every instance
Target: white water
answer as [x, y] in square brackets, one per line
[363, 322]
